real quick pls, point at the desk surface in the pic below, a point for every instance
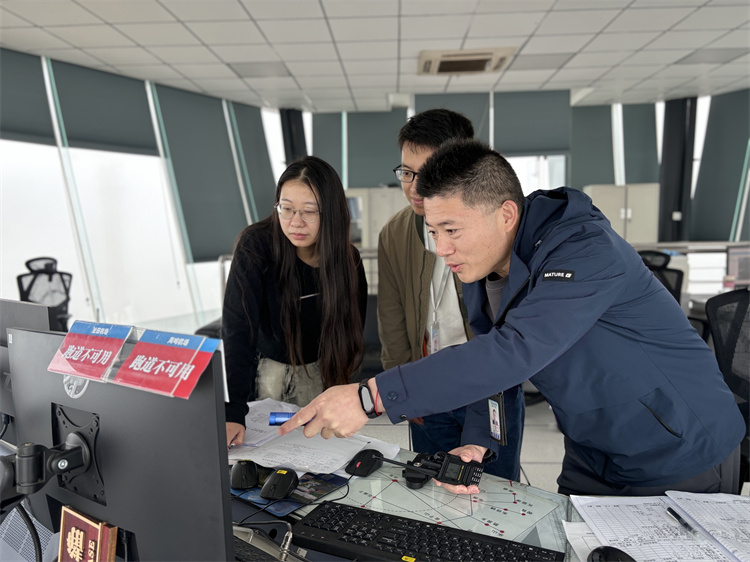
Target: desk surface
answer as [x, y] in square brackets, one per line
[504, 509]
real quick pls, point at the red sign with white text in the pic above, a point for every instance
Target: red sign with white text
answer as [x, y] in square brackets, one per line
[166, 363]
[89, 350]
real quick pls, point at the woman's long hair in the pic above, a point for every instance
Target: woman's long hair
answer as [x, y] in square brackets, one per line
[341, 341]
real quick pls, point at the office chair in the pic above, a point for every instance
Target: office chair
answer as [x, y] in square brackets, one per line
[45, 285]
[729, 321]
[657, 262]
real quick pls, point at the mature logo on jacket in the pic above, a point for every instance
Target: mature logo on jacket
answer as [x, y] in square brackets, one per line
[558, 275]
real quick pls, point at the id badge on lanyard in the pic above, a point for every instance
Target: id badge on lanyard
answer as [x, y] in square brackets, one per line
[434, 337]
[433, 329]
[498, 428]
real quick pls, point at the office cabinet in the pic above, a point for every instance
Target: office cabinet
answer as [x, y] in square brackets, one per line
[371, 208]
[633, 209]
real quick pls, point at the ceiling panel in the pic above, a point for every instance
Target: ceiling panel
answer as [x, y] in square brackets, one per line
[716, 17]
[227, 32]
[34, 40]
[556, 44]
[576, 21]
[349, 9]
[145, 11]
[149, 34]
[8, 19]
[367, 50]
[526, 76]
[196, 10]
[497, 25]
[185, 54]
[364, 29]
[125, 55]
[51, 13]
[85, 36]
[221, 84]
[689, 40]
[265, 10]
[295, 31]
[652, 19]
[307, 51]
[311, 68]
[431, 27]
[620, 41]
[352, 54]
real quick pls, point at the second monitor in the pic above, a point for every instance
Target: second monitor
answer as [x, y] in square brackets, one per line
[159, 464]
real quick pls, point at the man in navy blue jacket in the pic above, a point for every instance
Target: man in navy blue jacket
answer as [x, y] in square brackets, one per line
[556, 296]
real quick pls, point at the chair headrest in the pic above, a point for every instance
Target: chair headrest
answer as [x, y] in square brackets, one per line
[47, 265]
[654, 259]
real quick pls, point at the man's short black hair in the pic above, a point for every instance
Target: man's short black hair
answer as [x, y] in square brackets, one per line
[433, 127]
[473, 171]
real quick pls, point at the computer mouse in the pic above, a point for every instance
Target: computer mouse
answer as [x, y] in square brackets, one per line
[606, 553]
[244, 475]
[280, 484]
[365, 462]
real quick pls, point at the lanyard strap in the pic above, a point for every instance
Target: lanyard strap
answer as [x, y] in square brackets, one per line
[443, 280]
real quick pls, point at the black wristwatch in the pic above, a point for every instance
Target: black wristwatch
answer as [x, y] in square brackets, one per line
[365, 398]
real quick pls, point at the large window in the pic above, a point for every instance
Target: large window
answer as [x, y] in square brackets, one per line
[539, 172]
[137, 257]
[34, 219]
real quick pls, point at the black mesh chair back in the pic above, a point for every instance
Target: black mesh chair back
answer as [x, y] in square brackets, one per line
[45, 285]
[654, 259]
[729, 321]
[657, 262]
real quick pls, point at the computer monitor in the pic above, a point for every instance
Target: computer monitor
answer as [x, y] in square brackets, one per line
[15, 314]
[738, 265]
[159, 466]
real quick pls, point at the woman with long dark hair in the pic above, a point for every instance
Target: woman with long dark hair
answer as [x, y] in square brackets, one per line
[294, 306]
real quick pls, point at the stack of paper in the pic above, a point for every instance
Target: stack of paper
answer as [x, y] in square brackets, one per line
[642, 527]
[324, 456]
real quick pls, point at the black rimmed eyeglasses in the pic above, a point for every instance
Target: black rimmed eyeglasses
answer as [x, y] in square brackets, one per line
[406, 176]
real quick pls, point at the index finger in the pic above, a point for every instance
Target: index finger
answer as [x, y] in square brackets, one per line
[299, 419]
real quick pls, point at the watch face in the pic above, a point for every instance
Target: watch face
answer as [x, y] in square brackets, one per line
[366, 398]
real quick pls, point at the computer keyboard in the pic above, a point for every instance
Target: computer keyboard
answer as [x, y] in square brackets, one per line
[358, 533]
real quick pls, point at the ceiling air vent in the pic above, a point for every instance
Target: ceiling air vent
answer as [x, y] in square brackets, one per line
[468, 61]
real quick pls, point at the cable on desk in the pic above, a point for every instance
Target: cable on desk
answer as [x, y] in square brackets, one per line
[286, 542]
[32, 530]
[524, 475]
[6, 425]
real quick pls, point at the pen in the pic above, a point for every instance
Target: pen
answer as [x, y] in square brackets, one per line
[677, 517]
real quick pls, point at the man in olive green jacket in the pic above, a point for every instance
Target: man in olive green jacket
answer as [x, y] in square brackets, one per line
[420, 304]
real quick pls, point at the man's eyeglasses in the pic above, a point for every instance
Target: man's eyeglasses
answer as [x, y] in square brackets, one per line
[286, 212]
[406, 176]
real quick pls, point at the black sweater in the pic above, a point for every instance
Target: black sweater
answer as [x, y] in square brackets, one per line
[251, 318]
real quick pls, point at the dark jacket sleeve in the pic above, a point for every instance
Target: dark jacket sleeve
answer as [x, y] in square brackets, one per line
[548, 322]
[240, 329]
